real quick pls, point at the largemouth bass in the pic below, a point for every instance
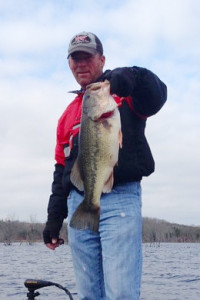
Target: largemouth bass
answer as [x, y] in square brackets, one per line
[99, 141]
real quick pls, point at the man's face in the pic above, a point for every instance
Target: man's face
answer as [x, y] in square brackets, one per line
[85, 67]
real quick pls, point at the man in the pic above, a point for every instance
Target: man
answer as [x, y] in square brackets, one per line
[108, 264]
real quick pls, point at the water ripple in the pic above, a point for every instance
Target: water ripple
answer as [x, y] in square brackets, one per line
[170, 272]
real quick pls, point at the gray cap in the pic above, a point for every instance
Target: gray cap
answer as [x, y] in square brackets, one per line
[86, 42]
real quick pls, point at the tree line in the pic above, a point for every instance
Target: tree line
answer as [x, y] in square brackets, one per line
[15, 231]
[154, 231]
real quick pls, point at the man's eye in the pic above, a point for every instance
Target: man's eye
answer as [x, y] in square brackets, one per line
[87, 58]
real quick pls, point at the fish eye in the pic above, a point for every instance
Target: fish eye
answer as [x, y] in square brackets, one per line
[86, 97]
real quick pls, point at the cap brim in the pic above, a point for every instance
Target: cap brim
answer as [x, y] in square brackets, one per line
[82, 49]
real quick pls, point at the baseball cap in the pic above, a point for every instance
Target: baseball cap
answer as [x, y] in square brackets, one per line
[86, 42]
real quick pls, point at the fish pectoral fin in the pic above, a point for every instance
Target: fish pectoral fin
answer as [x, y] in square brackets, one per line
[120, 139]
[109, 183]
[75, 177]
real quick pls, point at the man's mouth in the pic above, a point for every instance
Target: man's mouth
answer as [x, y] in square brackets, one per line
[83, 73]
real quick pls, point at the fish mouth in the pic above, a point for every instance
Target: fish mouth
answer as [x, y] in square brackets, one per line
[93, 87]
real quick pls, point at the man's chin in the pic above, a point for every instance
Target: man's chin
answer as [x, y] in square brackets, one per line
[84, 82]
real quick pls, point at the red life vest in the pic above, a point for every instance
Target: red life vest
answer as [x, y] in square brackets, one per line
[69, 126]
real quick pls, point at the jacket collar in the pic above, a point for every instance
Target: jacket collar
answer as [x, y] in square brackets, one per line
[78, 92]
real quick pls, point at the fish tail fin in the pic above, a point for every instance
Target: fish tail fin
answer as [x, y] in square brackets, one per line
[86, 217]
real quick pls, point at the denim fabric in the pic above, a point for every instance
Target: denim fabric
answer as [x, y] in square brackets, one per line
[108, 265]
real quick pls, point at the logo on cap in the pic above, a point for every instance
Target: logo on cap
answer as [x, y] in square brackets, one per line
[81, 39]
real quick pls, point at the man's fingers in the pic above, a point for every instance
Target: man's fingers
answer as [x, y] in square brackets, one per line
[55, 243]
[51, 246]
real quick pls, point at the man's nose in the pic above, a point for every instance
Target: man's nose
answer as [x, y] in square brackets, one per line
[82, 62]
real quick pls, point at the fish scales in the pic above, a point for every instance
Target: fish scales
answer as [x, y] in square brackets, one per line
[99, 141]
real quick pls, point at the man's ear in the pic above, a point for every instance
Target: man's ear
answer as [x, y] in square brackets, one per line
[103, 60]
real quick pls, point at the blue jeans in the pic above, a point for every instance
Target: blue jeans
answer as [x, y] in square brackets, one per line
[108, 265]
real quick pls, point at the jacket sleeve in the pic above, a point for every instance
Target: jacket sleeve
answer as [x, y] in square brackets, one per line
[57, 207]
[149, 92]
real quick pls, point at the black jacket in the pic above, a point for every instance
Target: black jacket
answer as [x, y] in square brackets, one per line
[148, 94]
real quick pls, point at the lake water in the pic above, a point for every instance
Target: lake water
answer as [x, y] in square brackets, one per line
[170, 271]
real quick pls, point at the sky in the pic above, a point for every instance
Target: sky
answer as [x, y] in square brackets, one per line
[162, 36]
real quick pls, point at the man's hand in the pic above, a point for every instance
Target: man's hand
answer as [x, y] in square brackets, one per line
[122, 81]
[55, 243]
[51, 234]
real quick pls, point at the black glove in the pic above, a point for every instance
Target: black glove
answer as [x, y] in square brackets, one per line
[52, 230]
[122, 81]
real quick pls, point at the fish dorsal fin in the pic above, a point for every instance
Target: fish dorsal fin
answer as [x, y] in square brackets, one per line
[109, 183]
[75, 177]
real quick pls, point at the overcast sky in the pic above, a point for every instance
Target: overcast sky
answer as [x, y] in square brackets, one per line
[163, 36]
